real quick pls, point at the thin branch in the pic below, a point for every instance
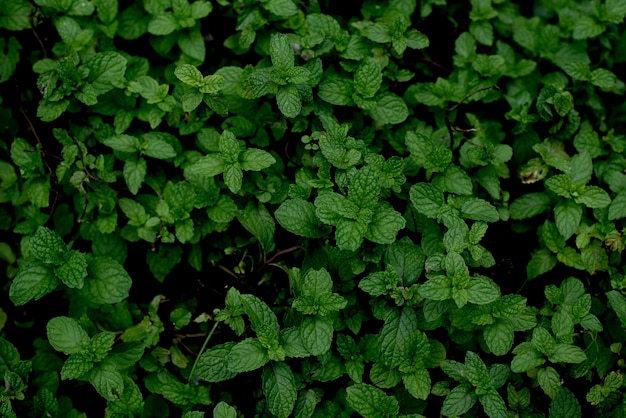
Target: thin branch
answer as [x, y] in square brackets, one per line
[277, 254]
[453, 108]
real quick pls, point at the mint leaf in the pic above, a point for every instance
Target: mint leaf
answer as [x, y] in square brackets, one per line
[223, 410]
[565, 405]
[482, 290]
[47, 246]
[66, 335]
[371, 402]
[123, 143]
[212, 365]
[254, 159]
[279, 387]
[459, 401]
[33, 281]
[317, 334]
[395, 340]
[259, 222]
[529, 205]
[479, 210]
[281, 52]
[73, 272]
[106, 71]
[417, 383]
[246, 356]
[390, 109]
[107, 281]
[298, 217]
[288, 100]
[565, 353]
[427, 199]
[385, 225]
[617, 208]
[594, 197]
[134, 174]
[617, 302]
[567, 216]
[108, 381]
[407, 259]
[189, 75]
[368, 78]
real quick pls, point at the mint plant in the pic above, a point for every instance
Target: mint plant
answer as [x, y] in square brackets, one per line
[283, 208]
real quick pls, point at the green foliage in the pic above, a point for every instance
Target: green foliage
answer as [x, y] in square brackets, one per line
[301, 208]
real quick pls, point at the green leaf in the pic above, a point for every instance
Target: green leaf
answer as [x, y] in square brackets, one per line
[499, 336]
[479, 210]
[281, 53]
[586, 27]
[566, 353]
[371, 402]
[526, 358]
[284, 8]
[288, 100]
[47, 246]
[317, 334]
[212, 364]
[254, 159]
[417, 383]
[122, 143]
[390, 109]
[459, 401]
[550, 381]
[385, 224]
[529, 205]
[336, 91]
[66, 335]
[567, 216]
[134, 174]
[482, 290]
[426, 199]
[108, 381]
[407, 259]
[233, 177]
[162, 24]
[246, 356]
[259, 222]
[594, 197]
[258, 312]
[476, 372]
[617, 302]
[156, 146]
[107, 281]
[189, 75]
[436, 288]
[279, 387]
[76, 365]
[395, 340]
[15, 15]
[207, 166]
[223, 410]
[349, 234]
[617, 208]
[106, 71]
[316, 283]
[298, 217]
[73, 272]
[565, 405]
[33, 281]
[364, 189]
[367, 78]
[493, 404]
